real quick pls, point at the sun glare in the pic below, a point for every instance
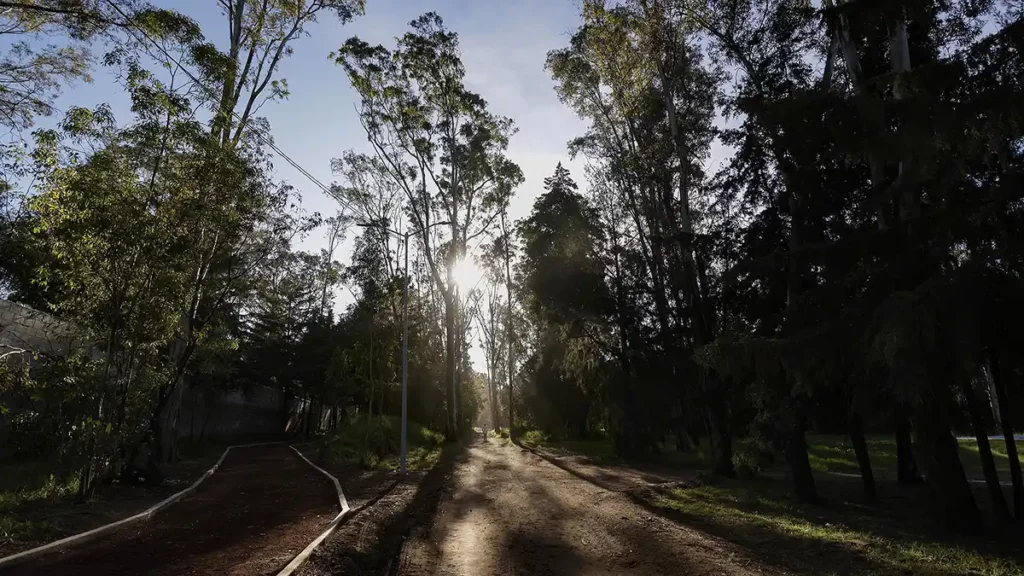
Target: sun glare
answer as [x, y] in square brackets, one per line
[466, 274]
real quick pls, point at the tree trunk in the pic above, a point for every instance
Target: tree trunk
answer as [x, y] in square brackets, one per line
[800, 465]
[508, 320]
[310, 423]
[192, 421]
[1000, 512]
[945, 474]
[718, 432]
[996, 372]
[906, 466]
[860, 448]
[165, 431]
[452, 431]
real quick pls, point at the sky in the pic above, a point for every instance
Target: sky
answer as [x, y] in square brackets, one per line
[504, 44]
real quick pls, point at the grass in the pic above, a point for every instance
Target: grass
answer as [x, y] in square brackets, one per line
[600, 449]
[886, 539]
[16, 533]
[897, 535]
[827, 453]
[24, 483]
[382, 440]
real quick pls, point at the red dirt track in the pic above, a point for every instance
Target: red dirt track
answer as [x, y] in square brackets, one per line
[261, 507]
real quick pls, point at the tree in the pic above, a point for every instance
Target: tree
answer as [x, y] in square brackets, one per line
[441, 148]
[262, 32]
[566, 299]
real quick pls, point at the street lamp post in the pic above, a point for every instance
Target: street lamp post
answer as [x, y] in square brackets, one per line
[405, 333]
[405, 358]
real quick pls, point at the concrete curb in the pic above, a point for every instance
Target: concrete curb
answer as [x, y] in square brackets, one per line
[141, 516]
[303, 556]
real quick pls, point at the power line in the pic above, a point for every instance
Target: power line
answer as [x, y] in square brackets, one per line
[213, 96]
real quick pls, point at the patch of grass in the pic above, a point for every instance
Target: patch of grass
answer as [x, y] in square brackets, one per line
[26, 482]
[600, 450]
[832, 453]
[16, 533]
[382, 440]
[762, 510]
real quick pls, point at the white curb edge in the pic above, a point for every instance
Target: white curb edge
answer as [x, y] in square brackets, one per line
[144, 515]
[301, 558]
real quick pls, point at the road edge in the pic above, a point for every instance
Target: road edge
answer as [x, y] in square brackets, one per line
[146, 514]
[300, 559]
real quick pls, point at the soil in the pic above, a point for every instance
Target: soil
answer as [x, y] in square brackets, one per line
[385, 510]
[110, 503]
[508, 511]
[260, 509]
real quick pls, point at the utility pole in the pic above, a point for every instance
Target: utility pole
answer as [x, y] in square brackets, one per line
[508, 297]
[403, 442]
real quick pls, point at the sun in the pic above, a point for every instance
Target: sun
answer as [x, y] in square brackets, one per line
[466, 274]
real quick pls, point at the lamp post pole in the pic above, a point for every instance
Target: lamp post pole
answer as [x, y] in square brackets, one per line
[405, 357]
[405, 336]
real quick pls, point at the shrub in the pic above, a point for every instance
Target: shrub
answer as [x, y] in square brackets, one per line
[381, 438]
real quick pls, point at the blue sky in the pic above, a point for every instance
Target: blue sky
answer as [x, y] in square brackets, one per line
[504, 44]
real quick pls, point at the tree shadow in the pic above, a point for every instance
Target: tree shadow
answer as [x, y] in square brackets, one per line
[762, 517]
[342, 557]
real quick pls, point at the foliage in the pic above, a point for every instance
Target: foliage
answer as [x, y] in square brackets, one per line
[347, 445]
[440, 147]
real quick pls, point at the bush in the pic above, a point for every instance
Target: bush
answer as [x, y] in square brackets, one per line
[751, 457]
[382, 439]
[536, 437]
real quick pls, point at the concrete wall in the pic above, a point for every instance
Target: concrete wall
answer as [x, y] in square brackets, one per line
[232, 414]
[226, 415]
[25, 330]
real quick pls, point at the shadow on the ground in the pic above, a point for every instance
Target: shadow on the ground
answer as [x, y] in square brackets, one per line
[390, 535]
[776, 540]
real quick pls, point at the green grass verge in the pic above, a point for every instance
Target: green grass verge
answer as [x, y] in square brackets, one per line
[891, 542]
[601, 450]
[835, 454]
[24, 483]
[897, 536]
[375, 445]
[827, 453]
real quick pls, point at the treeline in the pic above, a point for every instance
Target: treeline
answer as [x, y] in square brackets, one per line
[166, 239]
[799, 216]
[163, 236]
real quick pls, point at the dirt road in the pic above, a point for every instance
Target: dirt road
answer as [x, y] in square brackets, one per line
[512, 513]
[252, 516]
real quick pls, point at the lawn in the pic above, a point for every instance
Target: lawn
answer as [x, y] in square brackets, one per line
[847, 534]
[835, 454]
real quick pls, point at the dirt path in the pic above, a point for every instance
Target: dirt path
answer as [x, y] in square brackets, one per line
[261, 508]
[511, 512]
